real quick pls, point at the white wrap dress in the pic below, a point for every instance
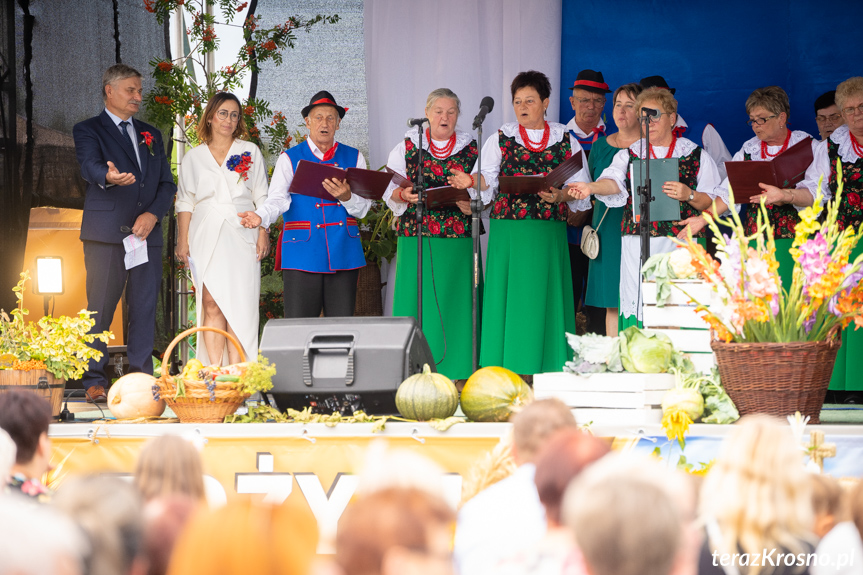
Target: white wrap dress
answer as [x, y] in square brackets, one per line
[222, 250]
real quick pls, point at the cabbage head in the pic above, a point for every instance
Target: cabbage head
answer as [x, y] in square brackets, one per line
[645, 352]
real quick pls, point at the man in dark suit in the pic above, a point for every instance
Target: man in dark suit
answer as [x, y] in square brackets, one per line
[130, 188]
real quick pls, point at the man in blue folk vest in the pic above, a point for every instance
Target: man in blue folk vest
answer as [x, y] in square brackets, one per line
[319, 250]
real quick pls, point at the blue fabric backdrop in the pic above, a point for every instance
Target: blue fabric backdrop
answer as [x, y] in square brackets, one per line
[715, 56]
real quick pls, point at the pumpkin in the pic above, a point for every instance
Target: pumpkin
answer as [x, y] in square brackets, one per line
[493, 393]
[132, 396]
[427, 395]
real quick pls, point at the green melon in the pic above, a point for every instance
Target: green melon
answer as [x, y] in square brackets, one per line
[427, 395]
[493, 393]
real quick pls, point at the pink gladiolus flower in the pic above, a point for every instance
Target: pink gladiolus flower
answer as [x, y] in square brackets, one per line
[814, 258]
[760, 282]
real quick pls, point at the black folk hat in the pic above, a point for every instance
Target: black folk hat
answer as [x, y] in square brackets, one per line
[591, 81]
[323, 98]
[656, 82]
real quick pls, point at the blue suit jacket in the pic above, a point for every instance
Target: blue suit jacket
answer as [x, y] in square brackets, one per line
[108, 208]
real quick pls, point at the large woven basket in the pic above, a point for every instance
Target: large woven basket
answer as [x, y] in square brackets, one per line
[200, 405]
[39, 381]
[777, 378]
[369, 302]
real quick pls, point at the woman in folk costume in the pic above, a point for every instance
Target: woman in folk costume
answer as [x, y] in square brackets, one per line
[319, 251]
[528, 302]
[449, 156]
[698, 179]
[225, 174]
[768, 109]
[845, 145]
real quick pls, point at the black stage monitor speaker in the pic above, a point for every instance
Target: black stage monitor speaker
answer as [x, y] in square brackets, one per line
[343, 364]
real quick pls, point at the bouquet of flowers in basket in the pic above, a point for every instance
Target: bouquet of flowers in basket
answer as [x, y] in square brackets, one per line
[750, 304]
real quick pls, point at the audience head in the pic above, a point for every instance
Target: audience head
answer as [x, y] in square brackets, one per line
[169, 465]
[25, 416]
[396, 531]
[164, 520]
[632, 516]
[828, 503]
[36, 540]
[533, 425]
[244, 538]
[222, 107]
[849, 99]
[109, 512]
[758, 489]
[564, 456]
[588, 98]
[827, 114]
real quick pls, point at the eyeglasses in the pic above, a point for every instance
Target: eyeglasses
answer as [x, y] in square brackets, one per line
[224, 115]
[853, 110]
[831, 118]
[760, 121]
[655, 119]
[594, 101]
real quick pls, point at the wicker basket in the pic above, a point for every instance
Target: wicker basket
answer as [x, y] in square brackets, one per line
[39, 381]
[369, 302]
[200, 405]
[777, 378]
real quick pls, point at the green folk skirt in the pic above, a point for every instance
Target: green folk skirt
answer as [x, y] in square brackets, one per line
[447, 298]
[528, 303]
[848, 369]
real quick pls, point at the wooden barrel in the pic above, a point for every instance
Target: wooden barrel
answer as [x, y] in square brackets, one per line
[39, 381]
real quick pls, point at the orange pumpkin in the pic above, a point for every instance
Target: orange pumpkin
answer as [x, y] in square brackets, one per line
[132, 396]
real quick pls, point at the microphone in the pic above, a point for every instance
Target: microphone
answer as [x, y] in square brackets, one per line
[485, 106]
[649, 112]
[416, 121]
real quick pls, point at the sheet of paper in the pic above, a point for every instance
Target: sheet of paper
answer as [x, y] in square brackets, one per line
[136, 251]
[194, 272]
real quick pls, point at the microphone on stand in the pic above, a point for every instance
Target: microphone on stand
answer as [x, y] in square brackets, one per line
[649, 112]
[485, 106]
[417, 121]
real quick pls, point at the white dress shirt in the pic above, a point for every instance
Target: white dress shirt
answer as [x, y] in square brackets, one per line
[821, 163]
[492, 157]
[571, 125]
[130, 129]
[279, 199]
[712, 143]
[498, 522]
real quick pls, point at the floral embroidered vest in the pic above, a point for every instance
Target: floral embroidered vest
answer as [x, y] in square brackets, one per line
[851, 208]
[782, 218]
[446, 222]
[688, 169]
[516, 160]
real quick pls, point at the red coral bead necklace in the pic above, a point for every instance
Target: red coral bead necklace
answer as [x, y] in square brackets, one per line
[765, 154]
[530, 145]
[444, 151]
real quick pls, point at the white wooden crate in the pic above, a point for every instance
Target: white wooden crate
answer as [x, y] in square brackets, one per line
[678, 320]
[607, 398]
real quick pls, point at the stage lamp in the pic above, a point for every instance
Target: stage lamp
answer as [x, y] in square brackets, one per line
[49, 278]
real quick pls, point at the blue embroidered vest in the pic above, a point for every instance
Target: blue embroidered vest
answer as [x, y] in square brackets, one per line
[318, 235]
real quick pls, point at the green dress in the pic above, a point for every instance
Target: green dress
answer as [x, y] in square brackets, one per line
[848, 369]
[603, 277]
[447, 266]
[528, 301]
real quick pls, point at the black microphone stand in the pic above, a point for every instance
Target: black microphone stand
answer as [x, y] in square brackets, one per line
[420, 205]
[645, 196]
[475, 211]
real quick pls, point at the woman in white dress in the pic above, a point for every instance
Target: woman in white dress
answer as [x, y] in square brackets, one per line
[223, 176]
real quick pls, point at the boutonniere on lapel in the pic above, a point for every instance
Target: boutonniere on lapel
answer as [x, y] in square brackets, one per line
[148, 140]
[241, 165]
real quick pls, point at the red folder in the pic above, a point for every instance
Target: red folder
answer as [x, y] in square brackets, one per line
[783, 171]
[436, 198]
[309, 177]
[535, 184]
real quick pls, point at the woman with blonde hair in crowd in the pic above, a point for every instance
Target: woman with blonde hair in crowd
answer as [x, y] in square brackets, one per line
[757, 497]
[169, 465]
[245, 538]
